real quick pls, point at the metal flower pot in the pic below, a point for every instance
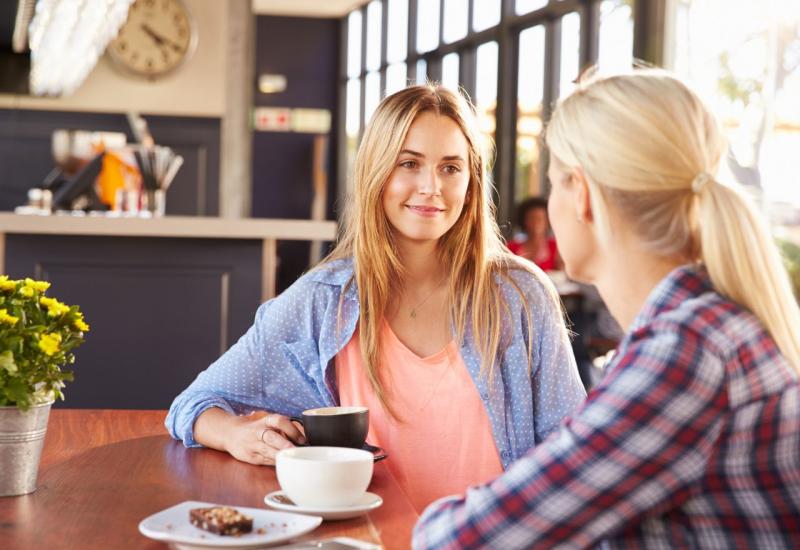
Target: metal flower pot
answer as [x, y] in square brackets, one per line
[21, 442]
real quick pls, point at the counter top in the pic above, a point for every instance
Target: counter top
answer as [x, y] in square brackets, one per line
[170, 226]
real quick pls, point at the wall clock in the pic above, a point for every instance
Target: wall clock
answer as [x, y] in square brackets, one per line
[158, 36]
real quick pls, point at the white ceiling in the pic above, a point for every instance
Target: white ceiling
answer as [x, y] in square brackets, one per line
[306, 8]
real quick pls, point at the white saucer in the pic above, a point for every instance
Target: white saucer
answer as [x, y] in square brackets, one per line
[279, 501]
[172, 526]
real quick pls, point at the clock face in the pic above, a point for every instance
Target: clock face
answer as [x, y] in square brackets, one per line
[157, 37]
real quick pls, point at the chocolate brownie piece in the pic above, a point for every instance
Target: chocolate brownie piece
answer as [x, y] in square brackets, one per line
[221, 520]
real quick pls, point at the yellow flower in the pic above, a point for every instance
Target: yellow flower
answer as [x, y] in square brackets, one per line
[6, 283]
[81, 325]
[26, 291]
[50, 343]
[39, 286]
[54, 307]
[6, 318]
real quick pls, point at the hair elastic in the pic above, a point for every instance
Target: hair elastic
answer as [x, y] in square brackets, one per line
[700, 181]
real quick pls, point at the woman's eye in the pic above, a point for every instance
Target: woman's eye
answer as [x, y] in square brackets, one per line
[452, 169]
[408, 164]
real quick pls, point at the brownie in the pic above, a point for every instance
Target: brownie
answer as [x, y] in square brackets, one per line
[221, 520]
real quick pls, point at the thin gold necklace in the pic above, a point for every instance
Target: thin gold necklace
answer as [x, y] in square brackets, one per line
[425, 299]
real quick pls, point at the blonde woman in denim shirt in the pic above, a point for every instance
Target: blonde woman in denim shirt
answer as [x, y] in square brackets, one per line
[421, 273]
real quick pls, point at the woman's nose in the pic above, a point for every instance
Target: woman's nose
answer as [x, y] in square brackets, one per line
[429, 183]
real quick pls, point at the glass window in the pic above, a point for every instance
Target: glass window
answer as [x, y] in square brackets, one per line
[395, 77]
[485, 14]
[525, 6]
[450, 71]
[616, 36]
[354, 43]
[748, 71]
[374, 10]
[570, 52]
[456, 20]
[427, 25]
[372, 94]
[397, 34]
[353, 122]
[422, 72]
[352, 125]
[530, 100]
[486, 87]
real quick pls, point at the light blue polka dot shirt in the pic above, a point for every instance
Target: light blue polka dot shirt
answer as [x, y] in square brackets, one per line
[284, 362]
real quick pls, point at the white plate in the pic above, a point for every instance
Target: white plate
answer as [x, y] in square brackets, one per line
[279, 501]
[172, 525]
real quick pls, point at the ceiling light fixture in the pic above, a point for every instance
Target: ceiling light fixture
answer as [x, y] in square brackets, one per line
[66, 39]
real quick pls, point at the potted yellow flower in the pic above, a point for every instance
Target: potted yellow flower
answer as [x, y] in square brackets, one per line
[37, 336]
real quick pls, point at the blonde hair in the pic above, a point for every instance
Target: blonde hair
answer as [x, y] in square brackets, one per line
[649, 146]
[472, 250]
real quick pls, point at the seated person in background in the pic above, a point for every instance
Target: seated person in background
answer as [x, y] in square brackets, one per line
[692, 439]
[536, 244]
[457, 347]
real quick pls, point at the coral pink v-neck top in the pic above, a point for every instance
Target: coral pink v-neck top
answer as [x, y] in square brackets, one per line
[442, 443]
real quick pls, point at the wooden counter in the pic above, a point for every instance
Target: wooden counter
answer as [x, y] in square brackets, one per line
[164, 297]
[267, 231]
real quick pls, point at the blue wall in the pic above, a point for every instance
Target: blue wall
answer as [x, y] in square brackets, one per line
[306, 52]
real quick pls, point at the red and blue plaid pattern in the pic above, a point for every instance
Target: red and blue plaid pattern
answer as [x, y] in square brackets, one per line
[692, 440]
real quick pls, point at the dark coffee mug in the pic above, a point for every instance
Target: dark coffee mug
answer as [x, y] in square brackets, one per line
[335, 426]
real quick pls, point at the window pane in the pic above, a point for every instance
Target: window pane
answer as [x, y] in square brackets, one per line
[353, 123]
[486, 86]
[397, 34]
[422, 72]
[748, 71]
[450, 71]
[485, 14]
[530, 97]
[395, 77]
[456, 19]
[372, 94]
[616, 36]
[427, 25]
[525, 6]
[374, 10]
[570, 52]
[354, 43]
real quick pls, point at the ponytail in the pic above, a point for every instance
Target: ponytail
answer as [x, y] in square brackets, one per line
[744, 263]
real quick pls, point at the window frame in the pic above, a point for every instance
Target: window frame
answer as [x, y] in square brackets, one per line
[648, 29]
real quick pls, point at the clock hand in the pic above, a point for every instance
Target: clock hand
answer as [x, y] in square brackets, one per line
[158, 39]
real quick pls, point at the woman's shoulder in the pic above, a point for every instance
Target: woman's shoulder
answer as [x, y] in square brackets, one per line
[516, 275]
[324, 281]
[331, 272]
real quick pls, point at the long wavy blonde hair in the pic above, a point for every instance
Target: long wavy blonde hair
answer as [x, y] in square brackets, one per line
[643, 140]
[472, 251]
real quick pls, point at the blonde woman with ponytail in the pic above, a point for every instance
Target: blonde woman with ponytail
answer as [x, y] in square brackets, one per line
[456, 346]
[692, 439]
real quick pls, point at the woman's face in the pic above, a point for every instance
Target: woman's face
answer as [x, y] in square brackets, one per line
[536, 222]
[576, 240]
[426, 191]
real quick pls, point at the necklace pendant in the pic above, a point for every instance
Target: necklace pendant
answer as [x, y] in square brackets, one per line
[413, 313]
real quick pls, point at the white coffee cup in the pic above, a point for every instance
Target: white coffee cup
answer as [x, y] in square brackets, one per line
[324, 476]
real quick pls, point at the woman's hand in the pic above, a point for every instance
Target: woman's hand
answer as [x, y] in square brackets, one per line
[254, 439]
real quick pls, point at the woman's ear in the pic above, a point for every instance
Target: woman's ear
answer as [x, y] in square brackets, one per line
[583, 204]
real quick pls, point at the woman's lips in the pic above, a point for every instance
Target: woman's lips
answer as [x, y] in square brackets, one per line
[426, 211]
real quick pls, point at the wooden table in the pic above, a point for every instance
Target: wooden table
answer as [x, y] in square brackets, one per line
[103, 471]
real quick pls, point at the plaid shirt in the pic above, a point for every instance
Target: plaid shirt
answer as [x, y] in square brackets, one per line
[692, 440]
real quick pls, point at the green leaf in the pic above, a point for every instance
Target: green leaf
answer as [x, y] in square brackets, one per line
[7, 362]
